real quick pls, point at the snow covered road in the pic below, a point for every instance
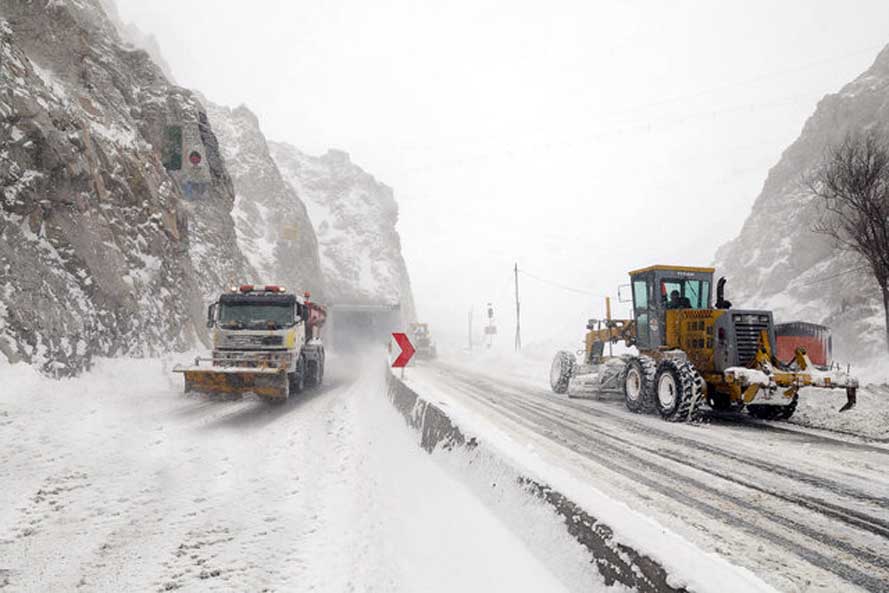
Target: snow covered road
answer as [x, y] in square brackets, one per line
[805, 509]
[117, 482]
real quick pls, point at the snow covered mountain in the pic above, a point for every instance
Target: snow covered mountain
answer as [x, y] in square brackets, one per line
[272, 224]
[778, 262]
[354, 217]
[116, 210]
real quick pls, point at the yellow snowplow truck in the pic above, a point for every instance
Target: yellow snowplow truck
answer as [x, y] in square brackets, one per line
[265, 341]
[691, 354]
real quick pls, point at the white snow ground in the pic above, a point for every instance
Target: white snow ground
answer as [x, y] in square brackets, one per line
[115, 481]
[802, 508]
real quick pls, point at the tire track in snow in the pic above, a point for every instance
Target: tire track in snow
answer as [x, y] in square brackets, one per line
[862, 566]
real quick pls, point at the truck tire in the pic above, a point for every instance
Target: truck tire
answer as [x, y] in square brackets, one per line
[637, 381]
[315, 372]
[677, 391]
[561, 371]
[298, 377]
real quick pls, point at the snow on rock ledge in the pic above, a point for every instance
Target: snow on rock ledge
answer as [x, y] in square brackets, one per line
[777, 262]
[354, 217]
[272, 224]
[107, 243]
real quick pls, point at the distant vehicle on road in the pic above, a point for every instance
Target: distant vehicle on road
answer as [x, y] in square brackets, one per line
[421, 338]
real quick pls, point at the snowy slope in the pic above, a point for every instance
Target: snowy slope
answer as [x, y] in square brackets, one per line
[354, 217]
[778, 262]
[802, 508]
[115, 482]
[105, 249]
[271, 222]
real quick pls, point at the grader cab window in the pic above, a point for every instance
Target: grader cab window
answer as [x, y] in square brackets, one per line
[685, 294]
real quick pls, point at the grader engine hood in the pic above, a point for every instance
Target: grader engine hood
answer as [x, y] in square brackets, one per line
[736, 336]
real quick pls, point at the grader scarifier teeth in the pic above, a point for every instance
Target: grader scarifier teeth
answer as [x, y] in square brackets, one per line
[851, 399]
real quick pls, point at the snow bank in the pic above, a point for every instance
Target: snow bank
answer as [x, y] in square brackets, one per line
[625, 547]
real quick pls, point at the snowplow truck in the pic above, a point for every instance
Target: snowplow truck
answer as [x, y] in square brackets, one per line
[266, 341]
[692, 354]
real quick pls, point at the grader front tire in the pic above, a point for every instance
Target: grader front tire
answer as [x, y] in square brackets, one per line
[561, 371]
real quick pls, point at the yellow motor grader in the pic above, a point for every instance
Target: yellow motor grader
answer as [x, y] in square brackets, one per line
[692, 354]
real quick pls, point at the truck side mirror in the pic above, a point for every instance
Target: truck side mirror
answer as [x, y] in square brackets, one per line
[211, 315]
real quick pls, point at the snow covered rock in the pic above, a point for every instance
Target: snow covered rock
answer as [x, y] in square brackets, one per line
[354, 217]
[778, 262]
[115, 219]
[273, 227]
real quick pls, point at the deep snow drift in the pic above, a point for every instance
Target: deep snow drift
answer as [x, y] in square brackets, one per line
[115, 481]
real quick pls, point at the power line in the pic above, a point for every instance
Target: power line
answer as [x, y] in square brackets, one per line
[561, 286]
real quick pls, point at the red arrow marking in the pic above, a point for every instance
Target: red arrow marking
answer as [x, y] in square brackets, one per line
[407, 351]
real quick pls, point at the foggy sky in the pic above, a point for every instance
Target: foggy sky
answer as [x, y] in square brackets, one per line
[580, 139]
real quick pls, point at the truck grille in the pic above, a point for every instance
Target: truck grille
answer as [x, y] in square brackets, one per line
[244, 341]
[747, 330]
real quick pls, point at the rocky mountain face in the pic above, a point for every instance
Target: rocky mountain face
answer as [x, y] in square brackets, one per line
[354, 217]
[778, 262]
[116, 205]
[127, 204]
[272, 224]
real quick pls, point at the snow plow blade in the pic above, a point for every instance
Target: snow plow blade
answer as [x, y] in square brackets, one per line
[236, 381]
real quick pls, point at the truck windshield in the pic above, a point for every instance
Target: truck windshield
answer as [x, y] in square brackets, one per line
[255, 315]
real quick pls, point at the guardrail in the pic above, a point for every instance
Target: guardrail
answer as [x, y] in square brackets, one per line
[614, 561]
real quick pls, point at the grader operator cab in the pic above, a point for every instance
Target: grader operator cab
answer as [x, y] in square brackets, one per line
[691, 353]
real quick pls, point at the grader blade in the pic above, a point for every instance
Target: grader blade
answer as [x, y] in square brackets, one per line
[237, 381]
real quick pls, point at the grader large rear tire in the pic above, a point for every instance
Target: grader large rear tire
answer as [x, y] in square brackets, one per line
[638, 383]
[677, 389]
[561, 371]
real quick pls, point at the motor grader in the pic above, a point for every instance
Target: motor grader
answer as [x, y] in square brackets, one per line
[690, 354]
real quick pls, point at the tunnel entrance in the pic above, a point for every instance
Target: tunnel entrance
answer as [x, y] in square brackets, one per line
[353, 327]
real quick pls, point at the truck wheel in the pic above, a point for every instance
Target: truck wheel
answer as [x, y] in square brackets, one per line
[311, 373]
[298, 377]
[677, 390]
[562, 370]
[638, 382]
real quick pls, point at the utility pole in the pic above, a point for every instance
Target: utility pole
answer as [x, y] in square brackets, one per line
[470, 328]
[518, 323]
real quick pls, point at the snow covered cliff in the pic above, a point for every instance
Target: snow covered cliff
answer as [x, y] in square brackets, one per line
[778, 262]
[273, 227]
[354, 217]
[129, 202]
[115, 220]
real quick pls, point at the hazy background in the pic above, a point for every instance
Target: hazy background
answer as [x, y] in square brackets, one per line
[579, 139]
